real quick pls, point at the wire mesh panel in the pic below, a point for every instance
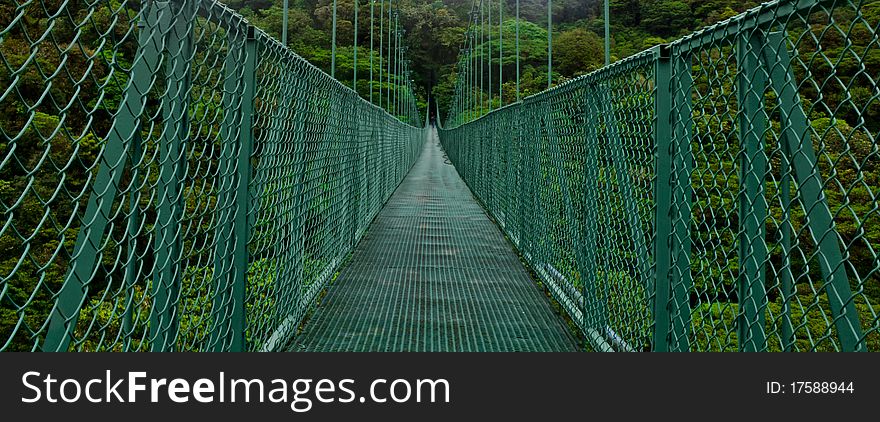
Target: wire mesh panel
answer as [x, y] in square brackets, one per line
[173, 178]
[784, 117]
[572, 167]
[715, 194]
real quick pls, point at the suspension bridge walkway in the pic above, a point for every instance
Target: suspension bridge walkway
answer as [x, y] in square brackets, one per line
[185, 182]
[434, 273]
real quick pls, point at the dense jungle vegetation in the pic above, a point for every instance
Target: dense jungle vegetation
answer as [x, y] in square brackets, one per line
[48, 150]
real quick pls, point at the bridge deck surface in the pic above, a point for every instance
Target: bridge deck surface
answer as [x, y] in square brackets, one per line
[433, 273]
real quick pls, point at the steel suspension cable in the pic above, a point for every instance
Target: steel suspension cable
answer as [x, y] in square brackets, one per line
[517, 51]
[333, 42]
[607, 35]
[473, 68]
[390, 53]
[381, 44]
[489, 8]
[500, 52]
[372, 8]
[397, 63]
[392, 98]
[549, 43]
[354, 77]
[482, 54]
[284, 10]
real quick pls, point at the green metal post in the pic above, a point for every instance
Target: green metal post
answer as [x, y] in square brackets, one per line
[593, 312]
[135, 219]
[232, 255]
[223, 271]
[786, 276]
[482, 55]
[799, 149]
[333, 44]
[167, 270]
[500, 52]
[607, 34]
[517, 51]
[681, 279]
[549, 43]
[662, 196]
[372, 10]
[390, 52]
[381, 45]
[354, 79]
[489, 57]
[126, 128]
[284, 18]
[751, 286]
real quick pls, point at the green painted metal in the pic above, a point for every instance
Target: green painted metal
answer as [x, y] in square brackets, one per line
[205, 183]
[489, 53]
[126, 126]
[606, 14]
[549, 43]
[390, 55]
[285, 11]
[242, 224]
[201, 187]
[517, 52]
[333, 44]
[723, 186]
[663, 193]
[421, 295]
[354, 78]
[595, 313]
[500, 52]
[798, 149]
[167, 271]
[751, 284]
[682, 203]
[372, 29]
[381, 45]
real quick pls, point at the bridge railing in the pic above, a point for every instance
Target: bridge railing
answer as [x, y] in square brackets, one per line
[718, 193]
[175, 179]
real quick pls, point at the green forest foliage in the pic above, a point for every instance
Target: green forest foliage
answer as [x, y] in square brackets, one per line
[49, 151]
[434, 33]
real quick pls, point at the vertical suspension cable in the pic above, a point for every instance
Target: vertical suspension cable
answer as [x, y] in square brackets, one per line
[372, 8]
[398, 97]
[354, 78]
[500, 52]
[489, 8]
[472, 64]
[407, 89]
[284, 10]
[482, 55]
[333, 48]
[517, 51]
[392, 72]
[390, 55]
[396, 73]
[397, 60]
[381, 44]
[549, 43]
[607, 35]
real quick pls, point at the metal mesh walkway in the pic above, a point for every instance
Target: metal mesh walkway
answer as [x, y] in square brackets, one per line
[433, 273]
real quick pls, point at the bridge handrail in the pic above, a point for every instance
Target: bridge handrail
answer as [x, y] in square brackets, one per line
[176, 179]
[712, 193]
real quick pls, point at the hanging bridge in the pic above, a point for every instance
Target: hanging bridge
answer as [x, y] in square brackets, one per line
[178, 180]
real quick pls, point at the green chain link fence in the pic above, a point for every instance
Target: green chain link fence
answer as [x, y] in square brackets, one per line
[173, 178]
[718, 193]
